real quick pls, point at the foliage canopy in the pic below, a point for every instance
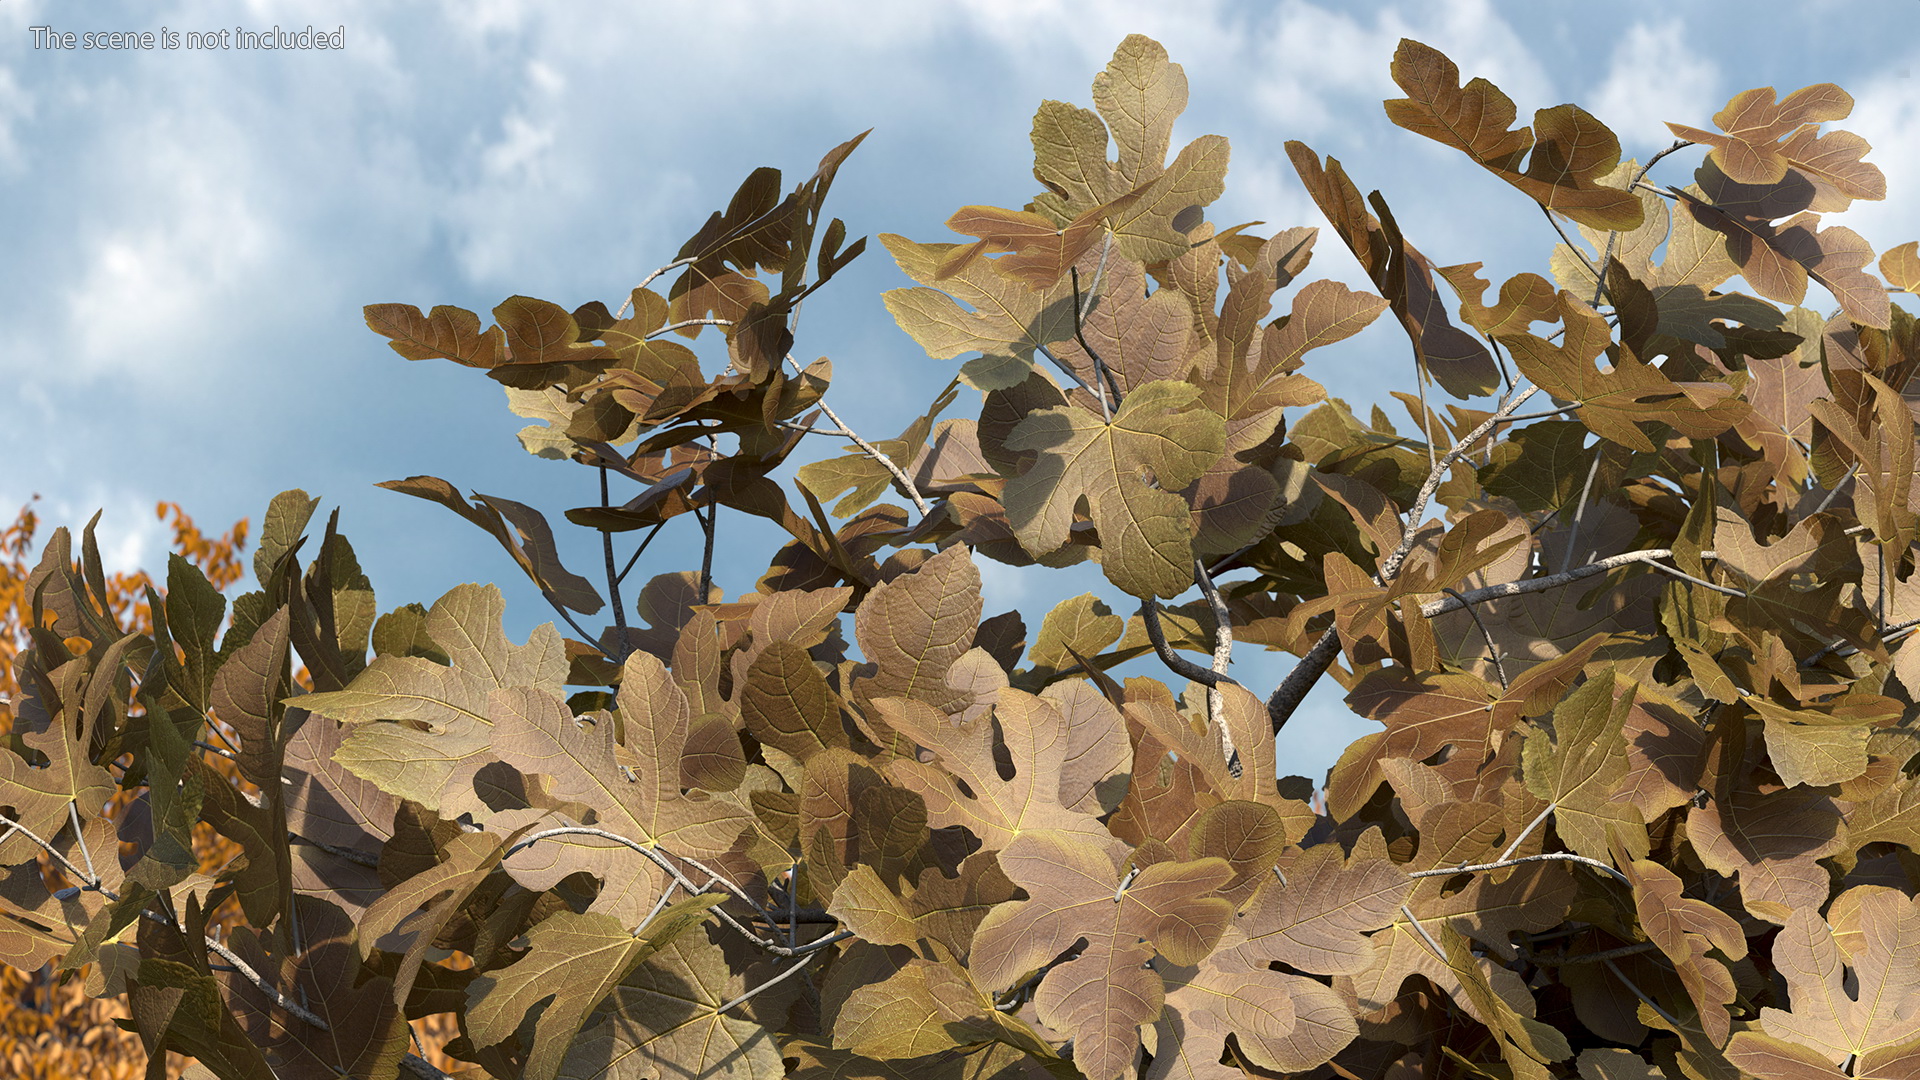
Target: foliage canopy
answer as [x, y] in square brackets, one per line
[1642, 802]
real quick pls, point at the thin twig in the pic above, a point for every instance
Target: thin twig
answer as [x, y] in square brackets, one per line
[1293, 690]
[661, 860]
[706, 554]
[1684, 576]
[1422, 931]
[1573, 247]
[783, 976]
[1642, 995]
[637, 552]
[684, 323]
[1570, 960]
[1580, 509]
[74, 871]
[1099, 365]
[1851, 469]
[650, 279]
[872, 451]
[80, 840]
[1551, 856]
[553, 601]
[1552, 581]
[1544, 413]
[1526, 832]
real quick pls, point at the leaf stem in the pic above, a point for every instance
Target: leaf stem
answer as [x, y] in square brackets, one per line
[1293, 690]
[621, 646]
[1493, 651]
[1099, 365]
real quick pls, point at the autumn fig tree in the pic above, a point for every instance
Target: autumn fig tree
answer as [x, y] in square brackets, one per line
[1629, 597]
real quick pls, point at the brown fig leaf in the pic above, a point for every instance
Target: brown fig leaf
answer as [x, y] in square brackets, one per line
[963, 786]
[1874, 933]
[1901, 266]
[1007, 318]
[1525, 1043]
[914, 628]
[449, 333]
[536, 733]
[664, 1019]
[1320, 920]
[1102, 996]
[1159, 441]
[1083, 624]
[573, 962]
[1578, 761]
[519, 528]
[1571, 150]
[1764, 138]
[1777, 259]
[1453, 357]
[1534, 897]
[1614, 403]
[366, 1031]
[1770, 838]
[939, 908]
[1283, 1023]
[450, 700]
[1685, 929]
[788, 704]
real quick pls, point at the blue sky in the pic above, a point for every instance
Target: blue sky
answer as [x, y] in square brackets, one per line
[190, 235]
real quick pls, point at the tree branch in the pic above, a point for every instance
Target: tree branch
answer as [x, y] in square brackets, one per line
[1222, 656]
[1554, 581]
[1551, 856]
[1293, 690]
[1181, 666]
[899, 474]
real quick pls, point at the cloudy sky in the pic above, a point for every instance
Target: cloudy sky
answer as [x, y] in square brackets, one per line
[190, 236]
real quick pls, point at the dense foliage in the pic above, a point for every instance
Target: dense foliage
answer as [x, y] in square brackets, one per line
[1640, 804]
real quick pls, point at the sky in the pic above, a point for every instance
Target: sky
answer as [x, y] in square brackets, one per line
[190, 234]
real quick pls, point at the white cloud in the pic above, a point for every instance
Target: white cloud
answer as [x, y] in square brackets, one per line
[1655, 77]
[1317, 65]
[162, 271]
[1887, 114]
[16, 105]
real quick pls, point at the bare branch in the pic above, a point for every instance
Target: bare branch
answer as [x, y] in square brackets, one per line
[1551, 856]
[872, 451]
[1222, 656]
[1183, 667]
[785, 975]
[1293, 690]
[650, 279]
[1554, 581]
